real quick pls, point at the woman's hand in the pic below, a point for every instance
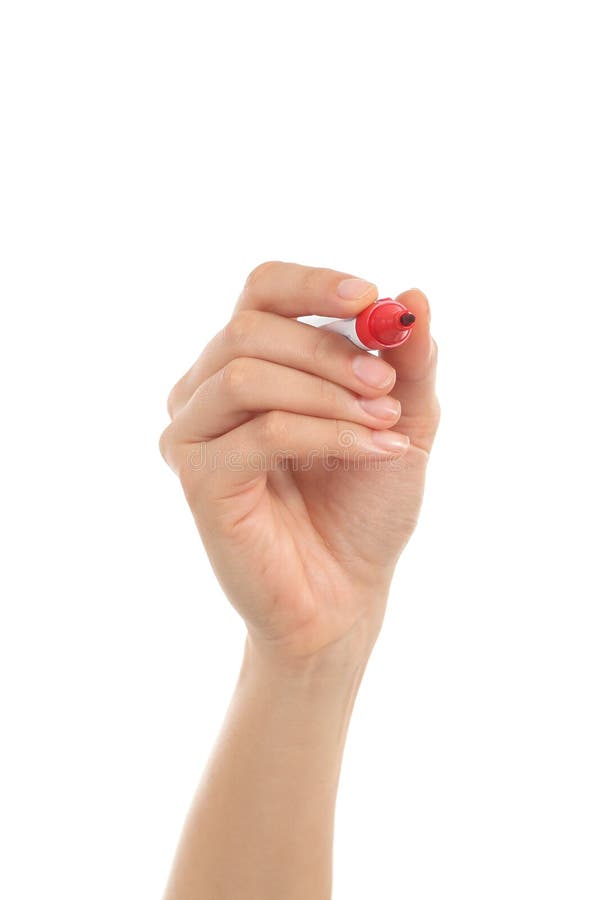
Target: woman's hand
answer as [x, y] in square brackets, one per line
[303, 458]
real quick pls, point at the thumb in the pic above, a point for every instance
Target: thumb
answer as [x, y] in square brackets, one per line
[415, 363]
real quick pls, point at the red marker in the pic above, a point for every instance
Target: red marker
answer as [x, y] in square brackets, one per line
[380, 326]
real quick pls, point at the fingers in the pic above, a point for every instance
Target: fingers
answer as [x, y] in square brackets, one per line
[290, 289]
[232, 464]
[329, 370]
[247, 386]
[415, 364]
[267, 336]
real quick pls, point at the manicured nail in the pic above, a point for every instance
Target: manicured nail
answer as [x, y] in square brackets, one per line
[355, 289]
[391, 440]
[373, 371]
[381, 407]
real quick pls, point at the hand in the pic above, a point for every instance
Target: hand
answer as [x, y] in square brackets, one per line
[280, 434]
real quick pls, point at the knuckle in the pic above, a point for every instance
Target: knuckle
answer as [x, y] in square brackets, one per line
[165, 443]
[257, 273]
[236, 375]
[324, 346]
[181, 458]
[312, 279]
[240, 329]
[274, 428]
[328, 392]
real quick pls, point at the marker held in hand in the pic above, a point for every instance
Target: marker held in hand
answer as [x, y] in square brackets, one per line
[380, 326]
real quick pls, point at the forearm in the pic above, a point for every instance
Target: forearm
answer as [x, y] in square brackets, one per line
[261, 824]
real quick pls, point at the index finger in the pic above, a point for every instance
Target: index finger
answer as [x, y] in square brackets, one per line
[290, 289]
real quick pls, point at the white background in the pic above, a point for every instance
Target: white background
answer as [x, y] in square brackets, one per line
[152, 154]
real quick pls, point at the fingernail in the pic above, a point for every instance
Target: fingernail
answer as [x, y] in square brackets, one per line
[390, 440]
[381, 407]
[354, 288]
[373, 371]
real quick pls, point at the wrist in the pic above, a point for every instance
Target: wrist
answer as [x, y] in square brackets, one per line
[340, 662]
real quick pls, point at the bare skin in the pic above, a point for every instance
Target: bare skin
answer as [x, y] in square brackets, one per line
[305, 482]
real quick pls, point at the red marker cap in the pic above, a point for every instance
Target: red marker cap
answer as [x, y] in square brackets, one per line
[384, 324]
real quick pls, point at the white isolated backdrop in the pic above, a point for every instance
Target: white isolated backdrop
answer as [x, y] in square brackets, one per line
[151, 155]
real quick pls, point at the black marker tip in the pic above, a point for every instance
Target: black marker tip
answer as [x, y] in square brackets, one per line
[407, 318]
